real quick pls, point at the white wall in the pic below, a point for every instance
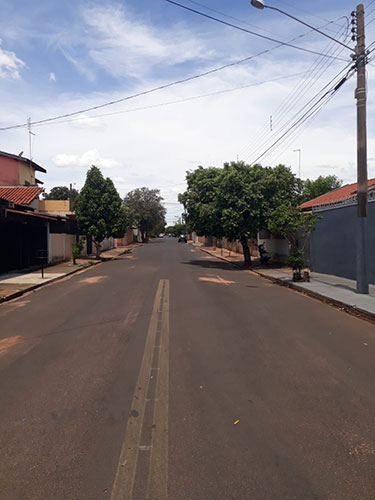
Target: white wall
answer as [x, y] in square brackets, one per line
[60, 247]
[108, 244]
[277, 248]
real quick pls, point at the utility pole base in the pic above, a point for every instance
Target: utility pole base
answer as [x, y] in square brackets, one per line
[362, 278]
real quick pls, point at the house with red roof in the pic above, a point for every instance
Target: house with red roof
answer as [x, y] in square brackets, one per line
[24, 231]
[17, 170]
[31, 228]
[332, 244]
[338, 197]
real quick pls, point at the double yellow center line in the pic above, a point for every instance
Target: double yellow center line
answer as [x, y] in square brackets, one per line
[157, 479]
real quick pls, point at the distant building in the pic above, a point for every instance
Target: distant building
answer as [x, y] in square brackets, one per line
[18, 170]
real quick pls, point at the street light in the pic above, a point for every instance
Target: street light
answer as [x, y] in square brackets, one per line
[259, 4]
[360, 58]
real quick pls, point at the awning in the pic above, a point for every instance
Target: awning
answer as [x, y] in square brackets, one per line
[29, 214]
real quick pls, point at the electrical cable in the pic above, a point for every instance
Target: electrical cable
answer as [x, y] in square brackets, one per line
[273, 149]
[303, 10]
[169, 103]
[302, 109]
[227, 16]
[313, 108]
[318, 68]
[246, 30]
[149, 91]
[139, 94]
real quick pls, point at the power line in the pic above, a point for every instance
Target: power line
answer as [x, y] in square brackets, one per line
[246, 30]
[177, 101]
[145, 92]
[318, 68]
[227, 16]
[149, 91]
[313, 108]
[295, 117]
[305, 11]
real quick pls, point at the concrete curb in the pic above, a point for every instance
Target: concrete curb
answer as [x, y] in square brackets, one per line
[18, 293]
[354, 311]
[234, 264]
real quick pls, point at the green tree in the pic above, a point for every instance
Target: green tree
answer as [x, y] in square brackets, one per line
[318, 187]
[235, 201]
[200, 201]
[61, 193]
[145, 210]
[99, 209]
[294, 225]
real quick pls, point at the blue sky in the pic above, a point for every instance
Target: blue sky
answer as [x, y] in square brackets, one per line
[58, 57]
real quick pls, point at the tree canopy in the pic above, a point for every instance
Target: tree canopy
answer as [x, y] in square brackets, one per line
[235, 201]
[323, 184]
[61, 193]
[99, 209]
[291, 222]
[146, 211]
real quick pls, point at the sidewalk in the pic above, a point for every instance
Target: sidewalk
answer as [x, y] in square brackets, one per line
[14, 284]
[333, 289]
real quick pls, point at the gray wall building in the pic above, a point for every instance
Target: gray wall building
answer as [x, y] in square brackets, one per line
[333, 242]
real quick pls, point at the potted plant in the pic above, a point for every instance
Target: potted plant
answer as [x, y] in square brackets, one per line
[296, 261]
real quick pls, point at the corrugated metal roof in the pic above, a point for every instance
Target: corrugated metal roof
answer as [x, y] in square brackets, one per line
[335, 196]
[20, 195]
[29, 214]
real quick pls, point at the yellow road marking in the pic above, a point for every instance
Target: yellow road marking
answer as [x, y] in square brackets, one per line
[125, 475]
[218, 279]
[157, 486]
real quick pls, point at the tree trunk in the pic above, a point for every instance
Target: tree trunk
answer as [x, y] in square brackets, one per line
[97, 249]
[246, 252]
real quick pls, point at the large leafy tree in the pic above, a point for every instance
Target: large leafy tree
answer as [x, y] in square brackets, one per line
[99, 209]
[236, 201]
[323, 184]
[200, 201]
[61, 193]
[146, 211]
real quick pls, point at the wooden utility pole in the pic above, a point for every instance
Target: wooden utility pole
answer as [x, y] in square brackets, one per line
[362, 190]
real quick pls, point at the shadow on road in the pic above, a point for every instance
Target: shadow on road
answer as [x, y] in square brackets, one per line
[213, 264]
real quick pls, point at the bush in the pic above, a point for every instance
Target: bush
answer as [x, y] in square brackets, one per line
[296, 260]
[77, 248]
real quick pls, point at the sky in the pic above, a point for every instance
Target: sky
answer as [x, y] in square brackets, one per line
[59, 58]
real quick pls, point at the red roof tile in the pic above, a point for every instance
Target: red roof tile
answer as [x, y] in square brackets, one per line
[20, 195]
[335, 196]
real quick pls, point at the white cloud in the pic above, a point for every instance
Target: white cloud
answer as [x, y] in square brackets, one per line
[125, 46]
[155, 147]
[10, 64]
[85, 121]
[91, 157]
[52, 77]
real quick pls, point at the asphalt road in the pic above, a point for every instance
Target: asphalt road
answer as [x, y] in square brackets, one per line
[171, 375]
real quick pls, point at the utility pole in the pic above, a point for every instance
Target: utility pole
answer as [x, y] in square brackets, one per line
[362, 182]
[299, 161]
[30, 134]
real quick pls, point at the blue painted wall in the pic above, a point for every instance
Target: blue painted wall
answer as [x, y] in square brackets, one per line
[333, 243]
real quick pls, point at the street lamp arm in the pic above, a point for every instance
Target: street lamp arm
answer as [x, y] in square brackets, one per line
[309, 26]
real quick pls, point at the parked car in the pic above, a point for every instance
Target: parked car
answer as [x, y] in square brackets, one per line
[182, 238]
